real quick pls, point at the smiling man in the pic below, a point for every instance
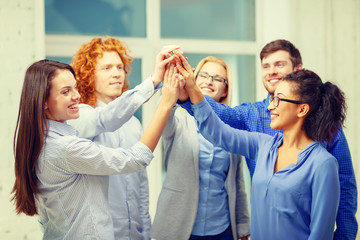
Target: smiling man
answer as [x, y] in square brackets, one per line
[102, 67]
[279, 58]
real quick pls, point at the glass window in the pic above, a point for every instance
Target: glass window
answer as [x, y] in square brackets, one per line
[96, 17]
[134, 77]
[242, 69]
[214, 20]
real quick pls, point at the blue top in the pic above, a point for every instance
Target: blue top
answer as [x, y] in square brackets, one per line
[255, 117]
[113, 125]
[212, 216]
[73, 183]
[298, 202]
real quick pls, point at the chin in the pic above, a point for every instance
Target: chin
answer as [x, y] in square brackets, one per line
[76, 116]
[273, 126]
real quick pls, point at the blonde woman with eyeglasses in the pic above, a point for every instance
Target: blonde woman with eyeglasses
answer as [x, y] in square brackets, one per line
[203, 194]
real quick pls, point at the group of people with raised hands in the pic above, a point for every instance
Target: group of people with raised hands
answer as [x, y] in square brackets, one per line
[81, 155]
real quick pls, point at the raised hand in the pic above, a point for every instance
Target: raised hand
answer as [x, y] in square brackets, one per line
[190, 85]
[171, 87]
[185, 69]
[162, 58]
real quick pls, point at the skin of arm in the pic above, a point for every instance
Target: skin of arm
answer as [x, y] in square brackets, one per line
[170, 94]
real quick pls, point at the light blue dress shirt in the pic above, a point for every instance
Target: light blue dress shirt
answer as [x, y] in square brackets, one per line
[73, 183]
[213, 209]
[113, 125]
[297, 202]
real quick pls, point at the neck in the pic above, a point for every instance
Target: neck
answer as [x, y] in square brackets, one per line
[296, 138]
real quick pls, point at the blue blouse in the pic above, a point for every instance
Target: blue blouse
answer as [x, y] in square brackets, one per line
[298, 202]
[255, 117]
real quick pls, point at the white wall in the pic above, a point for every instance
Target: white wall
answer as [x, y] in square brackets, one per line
[327, 32]
[21, 43]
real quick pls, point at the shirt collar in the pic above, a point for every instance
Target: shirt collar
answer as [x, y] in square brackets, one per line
[100, 103]
[62, 129]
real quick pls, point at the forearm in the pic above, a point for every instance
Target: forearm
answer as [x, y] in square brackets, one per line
[109, 117]
[194, 92]
[157, 124]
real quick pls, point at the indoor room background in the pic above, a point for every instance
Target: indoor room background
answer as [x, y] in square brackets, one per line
[327, 33]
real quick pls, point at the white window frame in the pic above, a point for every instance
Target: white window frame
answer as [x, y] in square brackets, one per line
[146, 50]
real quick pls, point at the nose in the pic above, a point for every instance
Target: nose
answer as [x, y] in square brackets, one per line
[273, 70]
[211, 80]
[76, 96]
[271, 106]
[116, 72]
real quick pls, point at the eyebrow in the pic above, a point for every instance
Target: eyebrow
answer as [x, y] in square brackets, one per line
[281, 94]
[216, 75]
[282, 61]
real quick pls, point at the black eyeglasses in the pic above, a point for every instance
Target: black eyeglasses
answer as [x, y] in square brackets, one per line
[205, 75]
[276, 100]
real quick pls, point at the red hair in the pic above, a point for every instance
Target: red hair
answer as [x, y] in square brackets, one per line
[85, 60]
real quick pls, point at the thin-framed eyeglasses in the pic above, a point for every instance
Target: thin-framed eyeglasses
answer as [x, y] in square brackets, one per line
[276, 100]
[205, 75]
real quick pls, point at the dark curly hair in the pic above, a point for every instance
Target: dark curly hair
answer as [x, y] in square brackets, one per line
[326, 102]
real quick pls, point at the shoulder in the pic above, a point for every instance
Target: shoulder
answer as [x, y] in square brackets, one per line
[322, 159]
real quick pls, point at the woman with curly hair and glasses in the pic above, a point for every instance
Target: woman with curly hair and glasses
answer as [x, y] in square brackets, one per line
[295, 188]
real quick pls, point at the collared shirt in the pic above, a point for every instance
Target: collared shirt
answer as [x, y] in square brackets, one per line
[73, 183]
[298, 202]
[255, 117]
[113, 125]
[213, 209]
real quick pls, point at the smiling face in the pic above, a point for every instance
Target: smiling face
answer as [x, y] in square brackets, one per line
[212, 88]
[285, 115]
[109, 77]
[63, 100]
[275, 67]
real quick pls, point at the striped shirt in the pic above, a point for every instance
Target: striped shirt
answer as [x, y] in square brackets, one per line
[73, 183]
[113, 125]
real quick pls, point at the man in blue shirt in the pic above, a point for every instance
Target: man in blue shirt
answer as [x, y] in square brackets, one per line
[279, 58]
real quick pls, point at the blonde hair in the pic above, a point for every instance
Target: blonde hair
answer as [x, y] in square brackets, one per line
[225, 100]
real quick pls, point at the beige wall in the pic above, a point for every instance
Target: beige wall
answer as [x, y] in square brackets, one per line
[21, 43]
[326, 31]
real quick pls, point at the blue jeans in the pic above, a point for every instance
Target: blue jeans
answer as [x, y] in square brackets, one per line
[226, 235]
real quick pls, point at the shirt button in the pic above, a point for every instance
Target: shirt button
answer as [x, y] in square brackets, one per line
[207, 170]
[203, 204]
[129, 198]
[205, 188]
[202, 219]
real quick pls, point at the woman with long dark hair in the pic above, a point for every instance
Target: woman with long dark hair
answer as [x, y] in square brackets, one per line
[63, 178]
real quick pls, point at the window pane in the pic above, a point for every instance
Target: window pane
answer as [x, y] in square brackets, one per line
[96, 17]
[134, 77]
[242, 69]
[205, 19]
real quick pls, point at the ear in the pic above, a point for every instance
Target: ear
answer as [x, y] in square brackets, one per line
[298, 67]
[46, 106]
[225, 92]
[303, 110]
